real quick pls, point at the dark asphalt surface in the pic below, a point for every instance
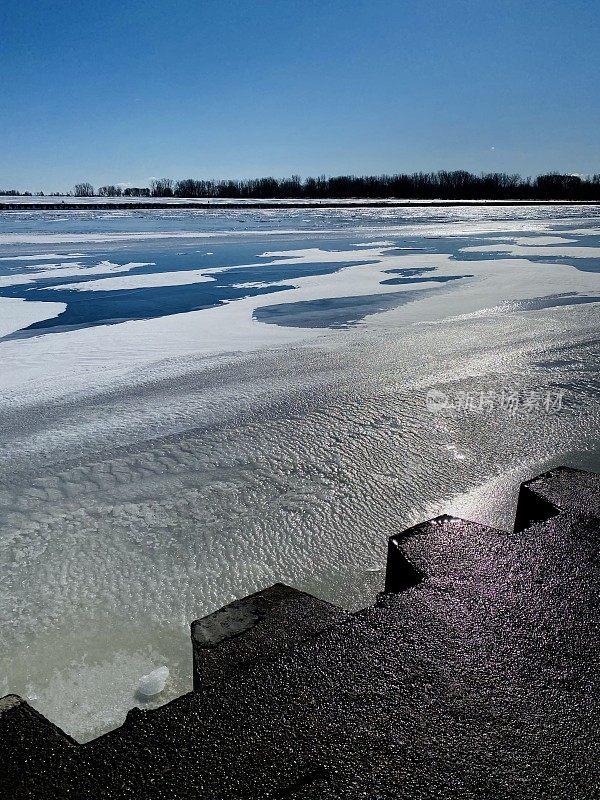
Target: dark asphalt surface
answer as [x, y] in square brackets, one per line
[476, 677]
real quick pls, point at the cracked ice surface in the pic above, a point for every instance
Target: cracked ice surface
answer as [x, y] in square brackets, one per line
[155, 469]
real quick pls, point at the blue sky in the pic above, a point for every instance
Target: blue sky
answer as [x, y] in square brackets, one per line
[119, 90]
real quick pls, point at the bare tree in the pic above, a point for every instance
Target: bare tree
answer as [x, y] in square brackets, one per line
[444, 184]
[109, 191]
[83, 190]
[161, 187]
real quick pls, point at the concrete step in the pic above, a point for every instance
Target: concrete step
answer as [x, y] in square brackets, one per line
[255, 628]
[475, 675]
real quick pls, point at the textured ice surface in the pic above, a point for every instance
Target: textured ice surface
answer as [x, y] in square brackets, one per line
[151, 471]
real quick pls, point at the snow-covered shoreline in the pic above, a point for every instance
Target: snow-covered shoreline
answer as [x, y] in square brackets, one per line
[65, 202]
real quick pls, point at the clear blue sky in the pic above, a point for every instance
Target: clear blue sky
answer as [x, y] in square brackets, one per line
[121, 90]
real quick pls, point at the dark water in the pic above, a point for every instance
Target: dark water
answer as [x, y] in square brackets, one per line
[238, 265]
[86, 308]
[333, 312]
[242, 271]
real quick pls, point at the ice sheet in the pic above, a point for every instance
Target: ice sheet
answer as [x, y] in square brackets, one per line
[138, 281]
[66, 269]
[16, 313]
[153, 470]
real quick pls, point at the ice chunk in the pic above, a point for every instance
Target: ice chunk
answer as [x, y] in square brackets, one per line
[154, 682]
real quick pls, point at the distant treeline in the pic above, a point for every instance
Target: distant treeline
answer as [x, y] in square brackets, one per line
[443, 185]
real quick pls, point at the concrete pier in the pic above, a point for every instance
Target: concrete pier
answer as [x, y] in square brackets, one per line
[475, 674]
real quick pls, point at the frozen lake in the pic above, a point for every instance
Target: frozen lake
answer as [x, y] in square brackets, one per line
[195, 405]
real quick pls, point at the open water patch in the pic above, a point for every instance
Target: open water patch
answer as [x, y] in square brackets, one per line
[221, 278]
[334, 312]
